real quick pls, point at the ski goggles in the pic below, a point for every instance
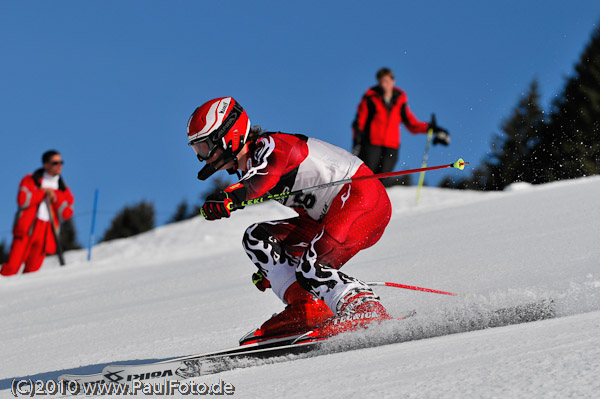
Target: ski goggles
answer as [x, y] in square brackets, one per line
[203, 148]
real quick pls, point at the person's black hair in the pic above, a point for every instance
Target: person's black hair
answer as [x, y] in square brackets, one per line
[48, 155]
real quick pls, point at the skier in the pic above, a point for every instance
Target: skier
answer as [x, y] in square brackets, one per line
[298, 258]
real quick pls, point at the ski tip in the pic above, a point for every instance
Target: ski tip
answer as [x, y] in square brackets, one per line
[460, 164]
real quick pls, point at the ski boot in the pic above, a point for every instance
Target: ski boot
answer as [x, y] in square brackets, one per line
[303, 313]
[357, 309]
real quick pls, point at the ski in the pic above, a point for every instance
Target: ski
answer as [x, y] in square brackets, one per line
[198, 366]
[206, 363]
[250, 339]
[139, 371]
[242, 356]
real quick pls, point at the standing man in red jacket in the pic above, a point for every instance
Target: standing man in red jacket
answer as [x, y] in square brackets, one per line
[376, 128]
[32, 233]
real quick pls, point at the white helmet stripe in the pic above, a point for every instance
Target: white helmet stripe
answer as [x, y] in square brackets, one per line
[213, 119]
[215, 116]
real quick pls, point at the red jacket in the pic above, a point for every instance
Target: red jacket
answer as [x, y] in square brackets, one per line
[281, 162]
[29, 198]
[379, 124]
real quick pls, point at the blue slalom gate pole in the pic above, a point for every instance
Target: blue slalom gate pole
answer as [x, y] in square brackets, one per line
[91, 242]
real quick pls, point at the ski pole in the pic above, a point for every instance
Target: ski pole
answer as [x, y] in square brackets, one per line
[425, 156]
[59, 251]
[408, 287]
[460, 164]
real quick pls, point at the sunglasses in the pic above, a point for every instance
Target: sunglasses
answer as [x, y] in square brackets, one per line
[54, 163]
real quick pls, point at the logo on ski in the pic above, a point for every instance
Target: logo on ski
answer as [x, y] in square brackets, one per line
[357, 316]
[114, 376]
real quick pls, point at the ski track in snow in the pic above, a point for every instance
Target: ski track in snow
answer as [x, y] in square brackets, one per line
[185, 288]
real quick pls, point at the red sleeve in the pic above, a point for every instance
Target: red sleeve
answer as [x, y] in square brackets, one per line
[64, 204]
[29, 194]
[409, 119]
[273, 156]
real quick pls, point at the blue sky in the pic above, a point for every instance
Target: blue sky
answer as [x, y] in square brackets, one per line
[111, 84]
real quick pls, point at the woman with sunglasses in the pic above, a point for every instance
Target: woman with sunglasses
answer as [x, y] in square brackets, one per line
[298, 258]
[32, 232]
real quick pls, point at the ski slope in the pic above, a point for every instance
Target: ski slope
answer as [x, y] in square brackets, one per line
[185, 288]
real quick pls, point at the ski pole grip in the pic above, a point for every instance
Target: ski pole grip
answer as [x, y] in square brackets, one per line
[232, 206]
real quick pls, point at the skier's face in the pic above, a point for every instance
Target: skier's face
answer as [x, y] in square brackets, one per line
[215, 158]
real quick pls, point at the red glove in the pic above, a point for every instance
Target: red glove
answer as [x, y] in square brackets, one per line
[221, 204]
[217, 206]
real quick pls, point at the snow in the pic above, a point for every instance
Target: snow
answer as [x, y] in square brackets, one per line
[185, 288]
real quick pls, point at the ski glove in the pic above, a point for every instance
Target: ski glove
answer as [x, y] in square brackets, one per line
[220, 205]
[440, 135]
[260, 281]
[217, 206]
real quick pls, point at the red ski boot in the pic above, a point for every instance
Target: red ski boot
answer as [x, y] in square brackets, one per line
[303, 313]
[357, 309]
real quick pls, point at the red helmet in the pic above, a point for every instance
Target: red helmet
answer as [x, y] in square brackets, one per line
[219, 123]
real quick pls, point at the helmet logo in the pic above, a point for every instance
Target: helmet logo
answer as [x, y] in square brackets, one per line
[225, 105]
[229, 122]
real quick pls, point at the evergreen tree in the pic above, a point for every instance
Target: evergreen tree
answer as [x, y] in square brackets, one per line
[571, 146]
[510, 159]
[196, 210]
[565, 146]
[3, 252]
[477, 181]
[68, 236]
[130, 221]
[181, 213]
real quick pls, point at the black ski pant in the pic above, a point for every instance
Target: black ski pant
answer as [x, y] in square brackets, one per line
[378, 159]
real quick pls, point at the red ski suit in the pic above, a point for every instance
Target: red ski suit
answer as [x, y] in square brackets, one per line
[32, 237]
[333, 224]
[379, 124]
